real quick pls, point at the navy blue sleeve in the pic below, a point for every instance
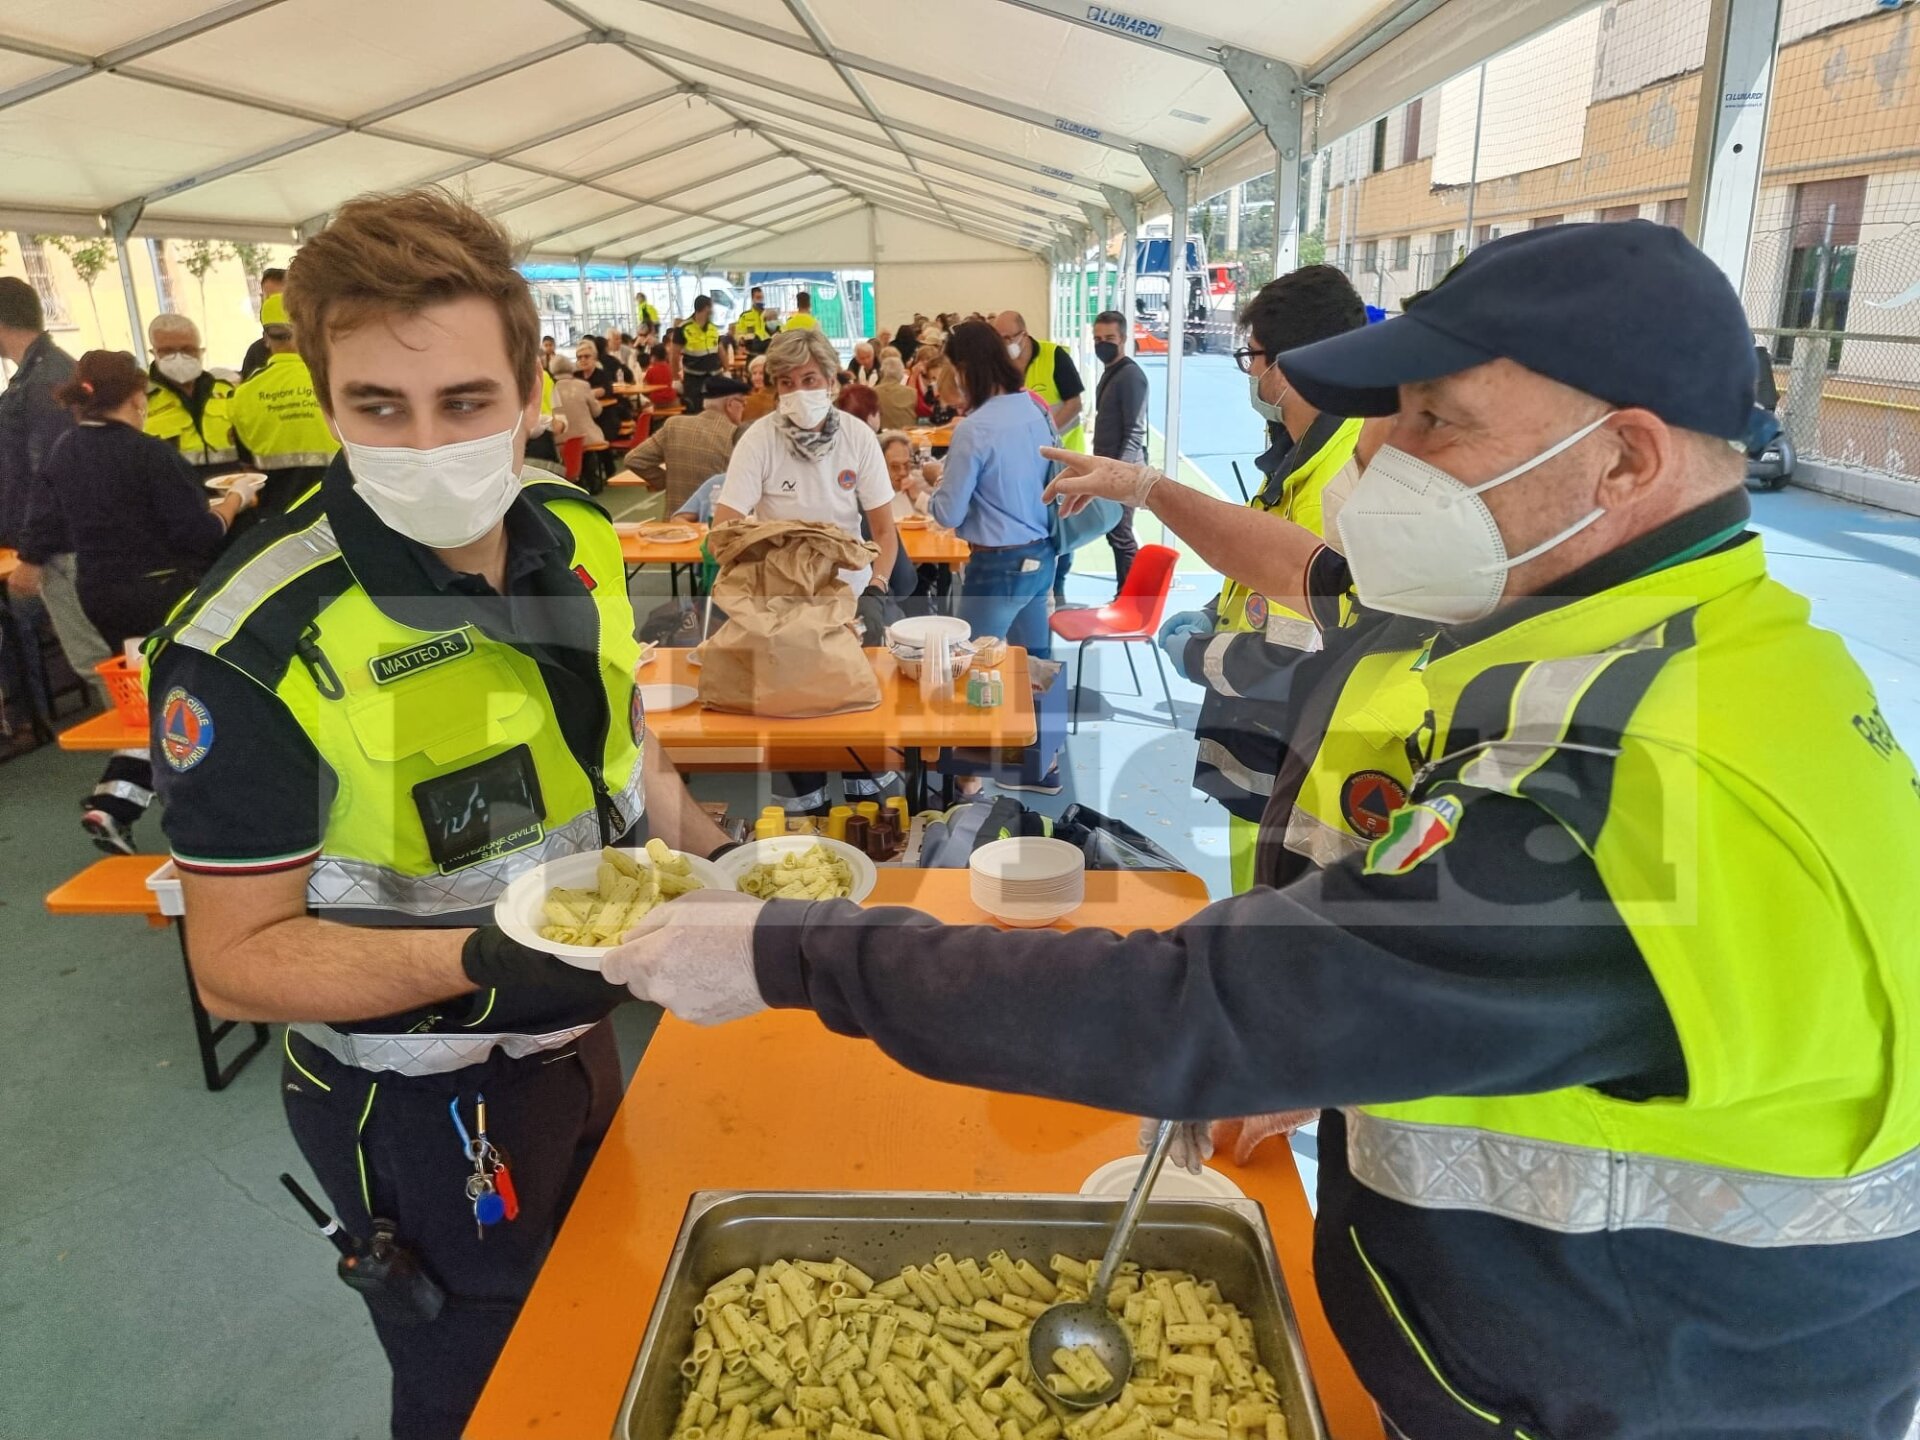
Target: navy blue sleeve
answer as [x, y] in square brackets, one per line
[186, 525]
[1497, 967]
[245, 791]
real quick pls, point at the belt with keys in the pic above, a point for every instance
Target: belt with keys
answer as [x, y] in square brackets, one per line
[490, 1187]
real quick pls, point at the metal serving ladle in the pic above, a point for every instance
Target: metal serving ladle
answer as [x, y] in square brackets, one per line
[1088, 1322]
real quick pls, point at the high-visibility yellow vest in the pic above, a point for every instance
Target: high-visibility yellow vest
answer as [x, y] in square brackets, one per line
[1757, 828]
[205, 441]
[276, 415]
[646, 314]
[390, 708]
[1363, 771]
[1298, 497]
[1040, 380]
[698, 340]
[752, 325]
[801, 320]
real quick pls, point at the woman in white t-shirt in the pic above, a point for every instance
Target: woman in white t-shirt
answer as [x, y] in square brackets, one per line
[809, 461]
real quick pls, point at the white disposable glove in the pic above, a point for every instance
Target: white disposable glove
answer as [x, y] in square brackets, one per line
[248, 487]
[1246, 1135]
[693, 957]
[1095, 477]
[1192, 1143]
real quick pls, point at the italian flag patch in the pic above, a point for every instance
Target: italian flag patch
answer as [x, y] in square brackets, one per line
[1414, 833]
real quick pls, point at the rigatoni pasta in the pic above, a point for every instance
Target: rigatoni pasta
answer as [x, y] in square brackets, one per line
[819, 1350]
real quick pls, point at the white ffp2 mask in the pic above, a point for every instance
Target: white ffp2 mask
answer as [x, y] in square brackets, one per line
[1423, 543]
[180, 369]
[1333, 499]
[445, 497]
[806, 408]
[1267, 410]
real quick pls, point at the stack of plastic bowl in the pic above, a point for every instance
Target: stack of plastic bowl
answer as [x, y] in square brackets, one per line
[1028, 881]
[941, 638]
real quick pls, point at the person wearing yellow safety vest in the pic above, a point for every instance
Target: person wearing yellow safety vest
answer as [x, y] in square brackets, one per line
[374, 713]
[751, 327]
[699, 353]
[279, 425]
[1240, 736]
[646, 319]
[802, 317]
[1612, 1023]
[1049, 373]
[187, 405]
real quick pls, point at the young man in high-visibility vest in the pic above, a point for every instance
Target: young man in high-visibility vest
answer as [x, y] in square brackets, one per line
[1240, 749]
[373, 714]
[1050, 373]
[751, 327]
[1610, 1026]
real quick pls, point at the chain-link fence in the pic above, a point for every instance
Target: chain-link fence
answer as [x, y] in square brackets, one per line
[1849, 398]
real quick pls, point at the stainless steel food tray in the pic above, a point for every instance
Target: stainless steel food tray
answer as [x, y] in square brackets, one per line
[881, 1231]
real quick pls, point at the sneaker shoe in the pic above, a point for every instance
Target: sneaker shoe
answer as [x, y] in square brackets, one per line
[1049, 785]
[109, 834]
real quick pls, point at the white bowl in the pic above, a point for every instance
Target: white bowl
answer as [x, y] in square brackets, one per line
[916, 631]
[1116, 1177]
[1027, 859]
[734, 865]
[521, 908]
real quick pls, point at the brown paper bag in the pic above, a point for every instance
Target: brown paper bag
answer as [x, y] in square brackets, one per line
[789, 646]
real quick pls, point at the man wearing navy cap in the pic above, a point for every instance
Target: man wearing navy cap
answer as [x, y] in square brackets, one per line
[1609, 996]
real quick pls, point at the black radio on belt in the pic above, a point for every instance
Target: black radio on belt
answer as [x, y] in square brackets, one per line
[383, 1270]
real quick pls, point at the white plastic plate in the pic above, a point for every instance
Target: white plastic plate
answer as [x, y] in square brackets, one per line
[735, 863]
[1116, 1177]
[520, 910]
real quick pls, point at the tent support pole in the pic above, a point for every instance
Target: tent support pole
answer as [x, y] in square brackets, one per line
[120, 221]
[1742, 39]
[580, 280]
[1169, 173]
[1272, 90]
[1128, 215]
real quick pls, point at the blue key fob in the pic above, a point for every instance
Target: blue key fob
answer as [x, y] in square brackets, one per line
[490, 1209]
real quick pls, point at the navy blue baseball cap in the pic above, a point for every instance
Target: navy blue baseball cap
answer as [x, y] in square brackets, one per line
[1629, 312]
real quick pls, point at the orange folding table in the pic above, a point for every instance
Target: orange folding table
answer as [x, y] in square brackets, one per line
[778, 1103]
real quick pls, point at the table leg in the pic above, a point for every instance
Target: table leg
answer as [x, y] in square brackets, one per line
[207, 1035]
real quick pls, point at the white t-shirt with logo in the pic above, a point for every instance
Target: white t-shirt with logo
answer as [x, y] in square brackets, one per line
[767, 479]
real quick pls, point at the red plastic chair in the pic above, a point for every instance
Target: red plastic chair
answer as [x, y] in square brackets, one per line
[1131, 619]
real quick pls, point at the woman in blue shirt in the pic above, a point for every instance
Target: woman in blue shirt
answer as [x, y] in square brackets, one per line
[990, 493]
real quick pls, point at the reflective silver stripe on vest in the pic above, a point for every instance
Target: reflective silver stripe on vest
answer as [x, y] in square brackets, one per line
[217, 621]
[432, 1054]
[1212, 666]
[213, 457]
[1323, 844]
[1292, 632]
[1542, 704]
[338, 882]
[1212, 752]
[294, 458]
[1578, 1191]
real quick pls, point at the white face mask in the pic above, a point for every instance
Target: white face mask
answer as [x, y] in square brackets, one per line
[1013, 351]
[445, 497]
[1333, 499]
[806, 408]
[1424, 544]
[181, 369]
[1266, 410]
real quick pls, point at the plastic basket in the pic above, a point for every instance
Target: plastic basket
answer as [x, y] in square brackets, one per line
[124, 684]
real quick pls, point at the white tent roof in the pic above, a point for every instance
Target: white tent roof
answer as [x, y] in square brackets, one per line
[642, 130]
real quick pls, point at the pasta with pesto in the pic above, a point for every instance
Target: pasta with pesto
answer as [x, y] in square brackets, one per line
[820, 1350]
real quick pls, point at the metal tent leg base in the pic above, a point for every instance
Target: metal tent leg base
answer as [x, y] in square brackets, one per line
[207, 1035]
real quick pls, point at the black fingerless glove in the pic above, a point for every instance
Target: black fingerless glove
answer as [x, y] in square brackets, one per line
[494, 962]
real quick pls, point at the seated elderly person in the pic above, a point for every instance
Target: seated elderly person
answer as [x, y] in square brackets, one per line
[899, 406]
[760, 397]
[686, 449]
[865, 369]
